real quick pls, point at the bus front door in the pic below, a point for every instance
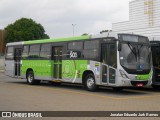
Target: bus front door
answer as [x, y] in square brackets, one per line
[57, 63]
[17, 61]
[109, 62]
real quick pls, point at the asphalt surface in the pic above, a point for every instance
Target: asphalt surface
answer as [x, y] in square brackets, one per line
[1, 63]
[16, 95]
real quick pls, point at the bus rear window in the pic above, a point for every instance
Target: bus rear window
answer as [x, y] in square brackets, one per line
[9, 53]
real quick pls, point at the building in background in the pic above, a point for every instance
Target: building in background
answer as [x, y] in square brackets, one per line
[144, 19]
[2, 42]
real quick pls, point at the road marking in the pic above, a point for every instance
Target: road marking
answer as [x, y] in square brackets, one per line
[108, 97]
[95, 95]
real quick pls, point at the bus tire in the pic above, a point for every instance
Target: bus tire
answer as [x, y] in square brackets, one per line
[30, 78]
[90, 84]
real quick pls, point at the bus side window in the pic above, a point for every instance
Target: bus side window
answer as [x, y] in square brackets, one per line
[9, 53]
[34, 51]
[25, 52]
[45, 51]
[75, 50]
[75, 45]
[91, 49]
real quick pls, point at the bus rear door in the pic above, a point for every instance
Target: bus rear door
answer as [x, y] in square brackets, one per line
[17, 61]
[57, 62]
[13, 61]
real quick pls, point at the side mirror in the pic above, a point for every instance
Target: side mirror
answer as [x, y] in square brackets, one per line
[119, 46]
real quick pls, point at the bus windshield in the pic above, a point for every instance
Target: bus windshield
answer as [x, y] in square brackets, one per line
[135, 58]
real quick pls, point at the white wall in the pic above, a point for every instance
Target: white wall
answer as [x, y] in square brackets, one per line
[139, 21]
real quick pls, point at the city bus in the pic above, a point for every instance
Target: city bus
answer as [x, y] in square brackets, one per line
[108, 59]
[155, 48]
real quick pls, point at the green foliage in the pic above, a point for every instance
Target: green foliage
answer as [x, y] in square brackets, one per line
[85, 34]
[25, 29]
[103, 31]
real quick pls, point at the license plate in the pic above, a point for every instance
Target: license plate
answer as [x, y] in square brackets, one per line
[139, 85]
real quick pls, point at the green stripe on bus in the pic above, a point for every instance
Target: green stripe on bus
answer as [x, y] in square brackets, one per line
[58, 40]
[144, 77]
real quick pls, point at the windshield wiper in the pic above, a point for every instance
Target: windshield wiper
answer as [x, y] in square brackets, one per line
[138, 49]
[133, 49]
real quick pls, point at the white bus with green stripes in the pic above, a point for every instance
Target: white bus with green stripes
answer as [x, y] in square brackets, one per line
[114, 60]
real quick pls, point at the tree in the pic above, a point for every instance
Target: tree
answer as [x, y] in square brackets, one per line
[25, 29]
[85, 34]
[104, 31]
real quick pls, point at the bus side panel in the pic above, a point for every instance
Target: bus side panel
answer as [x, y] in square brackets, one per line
[42, 68]
[95, 66]
[72, 70]
[9, 68]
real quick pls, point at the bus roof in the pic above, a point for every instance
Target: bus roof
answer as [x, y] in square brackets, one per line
[58, 39]
[85, 37]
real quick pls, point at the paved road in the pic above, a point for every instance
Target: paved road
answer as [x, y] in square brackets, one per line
[16, 95]
[1, 63]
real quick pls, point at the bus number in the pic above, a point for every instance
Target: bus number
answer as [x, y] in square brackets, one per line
[73, 54]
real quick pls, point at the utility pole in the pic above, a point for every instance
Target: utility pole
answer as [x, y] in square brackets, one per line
[73, 25]
[1, 41]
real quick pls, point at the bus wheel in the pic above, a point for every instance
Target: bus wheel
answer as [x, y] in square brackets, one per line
[30, 78]
[90, 84]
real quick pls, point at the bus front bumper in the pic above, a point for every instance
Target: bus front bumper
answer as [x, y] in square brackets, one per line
[137, 83]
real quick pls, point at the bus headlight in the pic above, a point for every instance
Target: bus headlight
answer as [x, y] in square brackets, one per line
[123, 74]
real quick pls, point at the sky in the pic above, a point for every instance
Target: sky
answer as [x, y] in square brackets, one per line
[57, 16]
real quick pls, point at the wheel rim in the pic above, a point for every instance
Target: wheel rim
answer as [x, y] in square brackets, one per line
[30, 78]
[90, 82]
